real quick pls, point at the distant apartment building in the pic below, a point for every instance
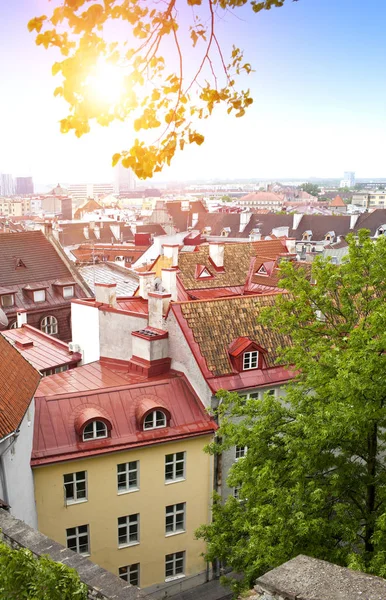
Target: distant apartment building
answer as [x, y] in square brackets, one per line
[82, 191]
[262, 200]
[7, 185]
[24, 186]
[123, 180]
[348, 179]
[102, 189]
[370, 199]
[15, 207]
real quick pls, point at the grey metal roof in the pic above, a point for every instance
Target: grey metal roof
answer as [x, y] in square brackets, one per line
[126, 280]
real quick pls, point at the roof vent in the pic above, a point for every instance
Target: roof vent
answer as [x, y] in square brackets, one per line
[19, 264]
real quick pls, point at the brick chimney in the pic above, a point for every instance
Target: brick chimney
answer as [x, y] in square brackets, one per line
[216, 255]
[146, 283]
[171, 253]
[169, 282]
[158, 305]
[21, 317]
[150, 352]
[106, 293]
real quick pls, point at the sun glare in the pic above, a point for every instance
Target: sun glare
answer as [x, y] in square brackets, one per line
[106, 84]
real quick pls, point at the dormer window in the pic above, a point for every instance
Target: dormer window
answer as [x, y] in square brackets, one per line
[262, 271]
[7, 300]
[95, 430]
[39, 295]
[155, 420]
[225, 232]
[250, 360]
[68, 291]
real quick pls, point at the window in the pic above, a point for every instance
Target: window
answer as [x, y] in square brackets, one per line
[7, 300]
[39, 295]
[241, 451]
[174, 565]
[78, 539]
[154, 420]
[236, 492]
[128, 530]
[61, 369]
[127, 476]
[175, 518]
[130, 573]
[250, 360]
[49, 325]
[94, 430]
[175, 466]
[75, 487]
[68, 291]
[13, 325]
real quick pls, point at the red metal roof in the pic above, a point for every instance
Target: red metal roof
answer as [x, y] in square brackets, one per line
[41, 350]
[113, 392]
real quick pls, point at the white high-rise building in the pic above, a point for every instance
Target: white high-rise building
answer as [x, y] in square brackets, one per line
[124, 180]
[348, 179]
[7, 185]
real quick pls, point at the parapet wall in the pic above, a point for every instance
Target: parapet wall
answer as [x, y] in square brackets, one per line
[305, 578]
[101, 584]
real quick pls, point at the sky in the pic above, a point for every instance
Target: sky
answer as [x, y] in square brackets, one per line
[319, 90]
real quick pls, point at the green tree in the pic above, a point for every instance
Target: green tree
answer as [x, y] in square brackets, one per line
[22, 575]
[310, 188]
[314, 477]
[152, 92]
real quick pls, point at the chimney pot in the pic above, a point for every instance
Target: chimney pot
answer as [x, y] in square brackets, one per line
[169, 281]
[106, 293]
[146, 283]
[158, 303]
[216, 254]
[21, 318]
[171, 252]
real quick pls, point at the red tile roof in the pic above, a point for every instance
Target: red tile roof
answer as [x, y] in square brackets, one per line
[18, 382]
[337, 201]
[41, 350]
[117, 395]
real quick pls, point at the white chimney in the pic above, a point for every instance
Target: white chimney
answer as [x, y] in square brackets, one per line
[216, 254]
[169, 281]
[86, 232]
[158, 304]
[171, 251]
[146, 283]
[150, 352]
[296, 220]
[106, 293]
[353, 221]
[194, 219]
[97, 232]
[120, 261]
[291, 245]
[116, 231]
[21, 317]
[245, 217]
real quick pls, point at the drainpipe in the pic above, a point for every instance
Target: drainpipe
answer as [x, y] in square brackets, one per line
[3, 477]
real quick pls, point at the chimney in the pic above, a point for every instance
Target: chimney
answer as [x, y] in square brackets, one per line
[120, 261]
[92, 224]
[146, 283]
[216, 254]
[169, 281]
[194, 220]
[150, 352]
[86, 232]
[245, 217]
[97, 232]
[106, 293]
[296, 220]
[116, 231]
[158, 304]
[353, 221]
[21, 318]
[171, 253]
[47, 228]
[291, 245]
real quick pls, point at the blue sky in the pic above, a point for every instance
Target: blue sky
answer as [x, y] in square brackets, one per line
[319, 88]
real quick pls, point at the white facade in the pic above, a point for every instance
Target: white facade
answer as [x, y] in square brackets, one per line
[85, 331]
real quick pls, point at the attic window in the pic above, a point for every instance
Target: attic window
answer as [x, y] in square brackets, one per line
[206, 231]
[94, 430]
[204, 273]
[250, 360]
[7, 300]
[155, 420]
[262, 271]
[225, 232]
[19, 264]
[68, 291]
[39, 295]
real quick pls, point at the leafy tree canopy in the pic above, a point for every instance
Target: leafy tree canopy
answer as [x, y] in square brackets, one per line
[313, 480]
[126, 60]
[22, 575]
[310, 188]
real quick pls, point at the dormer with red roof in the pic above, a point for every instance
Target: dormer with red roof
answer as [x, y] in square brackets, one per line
[245, 354]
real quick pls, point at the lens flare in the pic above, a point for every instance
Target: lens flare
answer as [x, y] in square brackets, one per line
[106, 84]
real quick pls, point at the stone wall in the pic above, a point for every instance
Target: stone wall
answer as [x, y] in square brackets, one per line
[305, 578]
[101, 584]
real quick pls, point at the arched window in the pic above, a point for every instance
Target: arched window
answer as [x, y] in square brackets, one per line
[154, 420]
[49, 325]
[13, 325]
[94, 430]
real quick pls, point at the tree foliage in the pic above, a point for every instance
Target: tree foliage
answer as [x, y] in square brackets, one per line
[310, 188]
[314, 477]
[157, 93]
[22, 575]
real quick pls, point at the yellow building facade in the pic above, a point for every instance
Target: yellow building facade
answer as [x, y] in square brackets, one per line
[159, 556]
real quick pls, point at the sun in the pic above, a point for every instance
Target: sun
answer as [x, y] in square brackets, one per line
[106, 83]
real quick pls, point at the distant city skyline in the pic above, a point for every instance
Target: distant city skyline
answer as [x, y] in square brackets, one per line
[314, 108]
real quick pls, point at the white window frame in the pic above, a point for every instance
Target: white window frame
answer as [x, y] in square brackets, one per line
[154, 419]
[175, 461]
[124, 470]
[175, 519]
[49, 325]
[67, 293]
[12, 303]
[176, 561]
[77, 497]
[240, 452]
[252, 359]
[39, 295]
[130, 573]
[77, 537]
[129, 525]
[95, 432]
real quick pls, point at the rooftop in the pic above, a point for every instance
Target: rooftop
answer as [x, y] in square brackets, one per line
[106, 272]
